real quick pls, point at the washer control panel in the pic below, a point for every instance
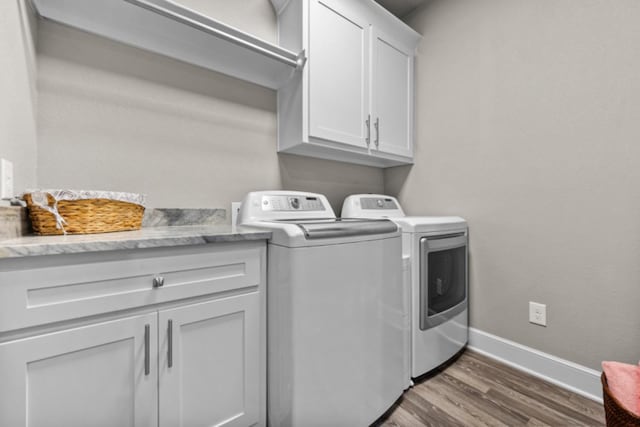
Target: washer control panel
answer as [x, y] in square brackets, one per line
[291, 203]
[283, 205]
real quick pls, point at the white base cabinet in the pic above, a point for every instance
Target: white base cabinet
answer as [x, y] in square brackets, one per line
[91, 375]
[210, 363]
[199, 361]
[353, 101]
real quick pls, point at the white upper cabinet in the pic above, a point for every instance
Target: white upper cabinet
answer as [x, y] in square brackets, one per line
[338, 82]
[353, 101]
[392, 96]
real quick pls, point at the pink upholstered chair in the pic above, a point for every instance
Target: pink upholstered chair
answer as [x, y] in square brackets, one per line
[621, 394]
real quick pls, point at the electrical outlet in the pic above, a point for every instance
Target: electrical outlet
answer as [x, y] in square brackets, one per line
[235, 210]
[6, 179]
[538, 313]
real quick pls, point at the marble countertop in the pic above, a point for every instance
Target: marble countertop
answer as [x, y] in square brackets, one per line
[150, 237]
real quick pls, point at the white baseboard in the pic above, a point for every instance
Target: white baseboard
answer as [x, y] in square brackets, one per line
[563, 373]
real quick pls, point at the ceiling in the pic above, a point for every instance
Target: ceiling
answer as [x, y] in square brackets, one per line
[400, 7]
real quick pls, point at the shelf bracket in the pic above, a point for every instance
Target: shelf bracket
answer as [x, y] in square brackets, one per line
[301, 60]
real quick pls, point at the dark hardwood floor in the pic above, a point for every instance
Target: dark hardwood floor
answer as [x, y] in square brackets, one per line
[478, 391]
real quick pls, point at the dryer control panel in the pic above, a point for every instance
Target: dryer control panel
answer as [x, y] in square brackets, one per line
[378, 203]
[371, 206]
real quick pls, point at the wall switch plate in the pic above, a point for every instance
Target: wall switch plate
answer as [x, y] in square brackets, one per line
[235, 210]
[538, 313]
[6, 179]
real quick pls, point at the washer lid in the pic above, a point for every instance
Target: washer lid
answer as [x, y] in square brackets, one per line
[322, 232]
[333, 228]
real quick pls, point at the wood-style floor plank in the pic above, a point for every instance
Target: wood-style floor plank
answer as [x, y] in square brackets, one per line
[439, 395]
[498, 409]
[544, 388]
[426, 412]
[539, 406]
[463, 403]
[458, 372]
[401, 418]
[475, 390]
[555, 398]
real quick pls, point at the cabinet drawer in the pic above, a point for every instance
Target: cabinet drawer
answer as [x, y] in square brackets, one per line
[75, 286]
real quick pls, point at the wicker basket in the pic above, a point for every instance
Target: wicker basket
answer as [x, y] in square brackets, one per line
[616, 415]
[85, 216]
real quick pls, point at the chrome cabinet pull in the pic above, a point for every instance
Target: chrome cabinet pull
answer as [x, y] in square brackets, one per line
[158, 282]
[368, 124]
[170, 346]
[147, 358]
[377, 126]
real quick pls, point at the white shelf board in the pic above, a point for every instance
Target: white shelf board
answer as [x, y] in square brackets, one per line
[164, 27]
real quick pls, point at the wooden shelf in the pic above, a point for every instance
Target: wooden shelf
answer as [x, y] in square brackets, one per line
[164, 27]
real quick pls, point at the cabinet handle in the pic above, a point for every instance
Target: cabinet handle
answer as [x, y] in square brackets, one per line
[170, 347]
[368, 124]
[158, 282]
[147, 359]
[377, 126]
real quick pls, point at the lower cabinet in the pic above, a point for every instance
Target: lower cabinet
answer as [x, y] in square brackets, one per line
[92, 375]
[209, 363]
[200, 362]
[186, 362]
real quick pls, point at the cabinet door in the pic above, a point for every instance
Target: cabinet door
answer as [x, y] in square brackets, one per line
[91, 375]
[338, 70]
[210, 363]
[392, 96]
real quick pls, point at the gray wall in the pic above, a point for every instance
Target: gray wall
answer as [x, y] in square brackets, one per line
[17, 89]
[114, 117]
[528, 124]
[528, 119]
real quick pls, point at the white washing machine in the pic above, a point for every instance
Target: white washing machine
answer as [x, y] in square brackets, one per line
[435, 256]
[334, 311]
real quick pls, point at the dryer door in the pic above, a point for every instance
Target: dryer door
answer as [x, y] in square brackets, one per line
[443, 278]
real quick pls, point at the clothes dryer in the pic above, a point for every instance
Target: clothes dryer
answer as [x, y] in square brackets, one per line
[436, 280]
